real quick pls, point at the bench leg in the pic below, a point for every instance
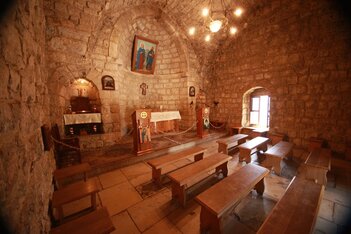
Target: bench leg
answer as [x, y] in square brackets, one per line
[241, 141]
[223, 168]
[222, 148]
[272, 162]
[156, 176]
[93, 201]
[262, 147]
[244, 155]
[178, 192]
[209, 222]
[259, 187]
[199, 157]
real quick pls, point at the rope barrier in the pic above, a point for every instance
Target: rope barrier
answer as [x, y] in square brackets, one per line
[218, 126]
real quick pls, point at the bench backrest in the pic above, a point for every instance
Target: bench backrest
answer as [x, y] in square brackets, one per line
[174, 157]
[281, 149]
[297, 210]
[251, 144]
[193, 173]
[319, 157]
[229, 191]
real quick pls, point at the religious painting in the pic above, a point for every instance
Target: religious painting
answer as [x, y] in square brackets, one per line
[144, 55]
[192, 91]
[108, 83]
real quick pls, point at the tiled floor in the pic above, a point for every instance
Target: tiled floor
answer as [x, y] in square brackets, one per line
[136, 205]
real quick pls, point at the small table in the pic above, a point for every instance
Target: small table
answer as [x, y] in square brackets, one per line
[317, 165]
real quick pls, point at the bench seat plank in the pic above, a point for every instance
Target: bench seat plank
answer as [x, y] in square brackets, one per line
[245, 149]
[158, 163]
[222, 197]
[97, 222]
[189, 175]
[275, 155]
[297, 210]
[75, 192]
[66, 172]
[318, 164]
[229, 142]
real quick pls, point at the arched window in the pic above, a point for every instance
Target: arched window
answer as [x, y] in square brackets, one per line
[256, 108]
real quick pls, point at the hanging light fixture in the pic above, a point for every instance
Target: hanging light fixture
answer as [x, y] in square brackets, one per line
[216, 17]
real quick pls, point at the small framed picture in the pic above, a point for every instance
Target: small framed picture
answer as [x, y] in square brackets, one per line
[108, 83]
[144, 55]
[191, 91]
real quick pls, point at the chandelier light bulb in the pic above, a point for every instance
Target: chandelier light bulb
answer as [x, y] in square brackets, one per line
[215, 25]
[192, 31]
[207, 38]
[205, 12]
[238, 12]
[233, 30]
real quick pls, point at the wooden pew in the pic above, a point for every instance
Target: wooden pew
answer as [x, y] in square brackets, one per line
[317, 165]
[258, 132]
[217, 201]
[229, 142]
[185, 177]
[275, 137]
[275, 155]
[96, 222]
[60, 175]
[245, 149]
[158, 163]
[297, 210]
[73, 192]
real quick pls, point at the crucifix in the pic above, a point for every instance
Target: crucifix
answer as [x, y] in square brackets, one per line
[143, 87]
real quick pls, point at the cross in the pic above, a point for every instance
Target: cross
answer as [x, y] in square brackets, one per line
[143, 87]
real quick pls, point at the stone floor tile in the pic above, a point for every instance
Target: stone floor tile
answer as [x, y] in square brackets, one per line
[124, 224]
[151, 210]
[187, 219]
[112, 178]
[325, 226]
[338, 195]
[136, 170]
[275, 186]
[326, 210]
[344, 182]
[119, 197]
[141, 179]
[163, 226]
[342, 214]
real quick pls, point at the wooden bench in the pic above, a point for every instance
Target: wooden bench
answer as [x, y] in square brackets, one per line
[245, 149]
[60, 175]
[217, 201]
[275, 155]
[158, 163]
[185, 177]
[275, 137]
[96, 222]
[317, 165]
[297, 210]
[73, 192]
[259, 132]
[229, 142]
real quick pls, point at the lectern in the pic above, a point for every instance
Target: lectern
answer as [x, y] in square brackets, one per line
[142, 132]
[203, 121]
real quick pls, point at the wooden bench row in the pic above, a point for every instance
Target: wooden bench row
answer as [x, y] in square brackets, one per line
[97, 221]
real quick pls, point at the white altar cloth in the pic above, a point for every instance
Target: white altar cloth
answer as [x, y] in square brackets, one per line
[82, 118]
[163, 116]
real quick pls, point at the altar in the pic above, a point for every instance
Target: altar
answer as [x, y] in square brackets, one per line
[81, 124]
[166, 121]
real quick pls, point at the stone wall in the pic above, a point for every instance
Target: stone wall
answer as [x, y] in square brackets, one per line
[25, 169]
[299, 51]
[92, 40]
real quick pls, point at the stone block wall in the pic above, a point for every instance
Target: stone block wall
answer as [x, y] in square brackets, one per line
[103, 46]
[299, 51]
[25, 168]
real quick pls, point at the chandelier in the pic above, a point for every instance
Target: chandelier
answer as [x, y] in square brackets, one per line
[216, 17]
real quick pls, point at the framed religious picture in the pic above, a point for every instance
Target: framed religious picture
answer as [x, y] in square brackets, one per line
[108, 83]
[191, 91]
[144, 55]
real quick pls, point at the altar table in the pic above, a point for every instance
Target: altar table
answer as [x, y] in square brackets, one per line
[166, 121]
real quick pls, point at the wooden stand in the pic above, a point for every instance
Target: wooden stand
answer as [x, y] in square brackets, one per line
[142, 132]
[203, 121]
